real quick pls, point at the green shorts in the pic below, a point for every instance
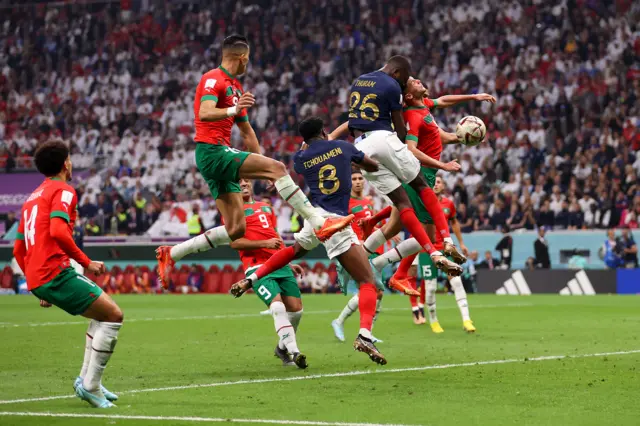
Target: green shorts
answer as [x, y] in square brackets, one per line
[281, 281]
[421, 212]
[426, 268]
[69, 291]
[219, 165]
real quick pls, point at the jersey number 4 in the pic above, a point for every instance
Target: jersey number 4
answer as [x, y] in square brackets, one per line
[30, 227]
[356, 106]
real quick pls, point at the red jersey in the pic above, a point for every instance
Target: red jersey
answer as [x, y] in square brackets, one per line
[261, 225]
[449, 210]
[361, 208]
[423, 129]
[219, 86]
[44, 258]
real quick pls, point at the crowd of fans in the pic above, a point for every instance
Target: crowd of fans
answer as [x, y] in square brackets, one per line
[563, 139]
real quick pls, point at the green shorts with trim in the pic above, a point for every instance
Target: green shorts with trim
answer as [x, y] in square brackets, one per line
[220, 165]
[421, 212]
[69, 291]
[281, 281]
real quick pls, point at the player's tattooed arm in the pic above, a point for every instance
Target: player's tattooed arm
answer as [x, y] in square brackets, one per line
[427, 161]
[249, 137]
[340, 132]
[451, 100]
[398, 124]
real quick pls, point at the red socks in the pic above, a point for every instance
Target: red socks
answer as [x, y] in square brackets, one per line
[430, 201]
[423, 292]
[381, 215]
[411, 222]
[404, 266]
[367, 305]
[279, 260]
[414, 299]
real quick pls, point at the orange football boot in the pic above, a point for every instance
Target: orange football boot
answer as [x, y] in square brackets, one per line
[332, 225]
[403, 285]
[165, 265]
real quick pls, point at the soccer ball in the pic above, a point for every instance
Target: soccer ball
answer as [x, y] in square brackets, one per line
[470, 130]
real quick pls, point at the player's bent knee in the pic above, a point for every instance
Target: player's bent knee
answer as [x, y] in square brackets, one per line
[116, 315]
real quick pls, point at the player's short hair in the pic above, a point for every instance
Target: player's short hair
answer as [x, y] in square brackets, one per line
[50, 157]
[356, 170]
[310, 128]
[235, 44]
[399, 62]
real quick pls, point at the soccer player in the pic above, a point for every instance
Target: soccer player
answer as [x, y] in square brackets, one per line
[429, 275]
[377, 124]
[326, 166]
[219, 103]
[278, 290]
[424, 139]
[43, 248]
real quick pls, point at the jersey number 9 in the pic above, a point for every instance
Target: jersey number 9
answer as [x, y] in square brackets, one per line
[328, 177]
[355, 106]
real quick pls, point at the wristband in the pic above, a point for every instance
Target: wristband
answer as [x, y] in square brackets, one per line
[232, 111]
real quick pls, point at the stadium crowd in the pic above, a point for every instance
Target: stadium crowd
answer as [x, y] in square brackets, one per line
[563, 139]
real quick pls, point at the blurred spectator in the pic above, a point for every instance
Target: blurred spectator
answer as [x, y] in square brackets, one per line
[489, 262]
[9, 221]
[505, 248]
[630, 249]
[612, 251]
[195, 279]
[541, 250]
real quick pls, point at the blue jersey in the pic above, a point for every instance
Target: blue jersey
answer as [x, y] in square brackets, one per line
[326, 167]
[373, 96]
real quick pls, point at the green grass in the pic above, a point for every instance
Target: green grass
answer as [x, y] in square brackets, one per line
[163, 345]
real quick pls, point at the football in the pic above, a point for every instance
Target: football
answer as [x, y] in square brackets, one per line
[471, 130]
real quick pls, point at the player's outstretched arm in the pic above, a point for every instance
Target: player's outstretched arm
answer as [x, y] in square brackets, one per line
[246, 244]
[340, 132]
[424, 159]
[249, 137]
[210, 112]
[451, 100]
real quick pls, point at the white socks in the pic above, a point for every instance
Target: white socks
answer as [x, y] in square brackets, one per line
[91, 331]
[375, 240]
[365, 333]
[352, 306]
[210, 239]
[284, 328]
[430, 290]
[294, 319]
[404, 249]
[461, 297]
[292, 194]
[104, 341]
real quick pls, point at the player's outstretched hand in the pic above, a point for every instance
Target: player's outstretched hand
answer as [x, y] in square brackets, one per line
[485, 97]
[452, 166]
[297, 270]
[96, 268]
[246, 101]
[464, 249]
[274, 243]
[45, 304]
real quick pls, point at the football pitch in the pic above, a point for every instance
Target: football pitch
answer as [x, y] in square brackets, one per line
[185, 360]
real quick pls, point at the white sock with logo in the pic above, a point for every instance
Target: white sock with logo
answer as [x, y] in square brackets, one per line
[292, 194]
[402, 250]
[104, 342]
[349, 309]
[284, 328]
[461, 297]
[203, 242]
[294, 319]
[430, 296]
[88, 340]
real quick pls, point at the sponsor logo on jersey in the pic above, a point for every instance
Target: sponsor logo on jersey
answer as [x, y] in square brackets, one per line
[446, 211]
[229, 91]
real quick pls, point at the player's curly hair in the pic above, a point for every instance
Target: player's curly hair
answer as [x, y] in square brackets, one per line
[310, 128]
[50, 157]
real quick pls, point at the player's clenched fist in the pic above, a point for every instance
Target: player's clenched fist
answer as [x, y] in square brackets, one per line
[96, 268]
[452, 166]
[246, 101]
[274, 243]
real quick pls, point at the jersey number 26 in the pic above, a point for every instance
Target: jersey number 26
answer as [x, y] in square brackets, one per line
[355, 106]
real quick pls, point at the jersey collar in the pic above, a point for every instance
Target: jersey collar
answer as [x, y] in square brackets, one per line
[224, 70]
[415, 107]
[55, 178]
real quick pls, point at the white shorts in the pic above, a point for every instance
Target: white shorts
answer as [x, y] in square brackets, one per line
[339, 243]
[397, 164]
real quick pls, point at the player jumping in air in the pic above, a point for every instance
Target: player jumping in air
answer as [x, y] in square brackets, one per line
[424, 139]
[326, 166]
[218, 104]
[362, 208]
[278, 290]
[377, 123]
[44, 247]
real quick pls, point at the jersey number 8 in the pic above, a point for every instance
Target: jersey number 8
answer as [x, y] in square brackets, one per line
[330, 177]
[354, 101]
